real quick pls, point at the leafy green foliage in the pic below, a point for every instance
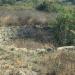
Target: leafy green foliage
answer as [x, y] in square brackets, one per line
[43, 6]
[47, 6]
[65, 23]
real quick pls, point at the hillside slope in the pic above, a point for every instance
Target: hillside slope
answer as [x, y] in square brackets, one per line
[21, 61]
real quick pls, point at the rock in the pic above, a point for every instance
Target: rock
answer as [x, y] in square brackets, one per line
[41, 50]
[66, 48]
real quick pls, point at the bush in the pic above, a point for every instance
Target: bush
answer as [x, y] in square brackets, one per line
[63, 29]
[46, 6]
[43, 6]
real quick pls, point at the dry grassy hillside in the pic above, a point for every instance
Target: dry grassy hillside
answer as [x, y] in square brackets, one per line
[32, 27]
[30, 33]
[23, 17]
[21, 61]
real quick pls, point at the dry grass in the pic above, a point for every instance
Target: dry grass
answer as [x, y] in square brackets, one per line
[23, 17]
[39, 63]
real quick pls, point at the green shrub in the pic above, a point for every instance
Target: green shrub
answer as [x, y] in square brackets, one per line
[43, 6]
[46, 6]
[65, 23]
